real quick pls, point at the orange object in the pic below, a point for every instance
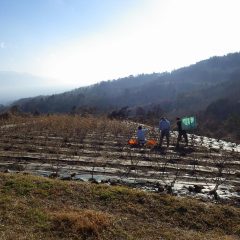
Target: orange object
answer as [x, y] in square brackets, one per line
[151, 142]
[132, 141]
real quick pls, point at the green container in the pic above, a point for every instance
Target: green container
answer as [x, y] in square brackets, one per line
[189, 123]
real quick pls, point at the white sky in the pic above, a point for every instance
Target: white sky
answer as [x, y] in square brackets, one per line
[157, 36]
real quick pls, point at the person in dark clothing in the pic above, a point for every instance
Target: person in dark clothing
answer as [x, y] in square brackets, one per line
[181, 132]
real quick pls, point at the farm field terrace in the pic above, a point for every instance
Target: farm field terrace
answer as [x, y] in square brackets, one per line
[88, 148]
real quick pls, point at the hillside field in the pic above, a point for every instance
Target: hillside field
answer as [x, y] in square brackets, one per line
[105, 189]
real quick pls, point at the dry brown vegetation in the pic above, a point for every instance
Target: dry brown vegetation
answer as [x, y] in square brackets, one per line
[85, 223]
[40, 208]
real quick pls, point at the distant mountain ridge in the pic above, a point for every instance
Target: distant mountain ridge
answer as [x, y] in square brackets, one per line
[15, 85]
[185, 90]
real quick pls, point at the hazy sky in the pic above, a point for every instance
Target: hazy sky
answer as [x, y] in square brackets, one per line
[85, 41]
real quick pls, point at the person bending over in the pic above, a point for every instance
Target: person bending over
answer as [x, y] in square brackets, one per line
[181, 132]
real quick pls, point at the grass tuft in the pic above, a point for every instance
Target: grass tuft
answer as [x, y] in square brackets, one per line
[81, 223]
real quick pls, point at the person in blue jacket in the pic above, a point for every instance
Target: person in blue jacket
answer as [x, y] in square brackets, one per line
[141, 136]
[164, 127]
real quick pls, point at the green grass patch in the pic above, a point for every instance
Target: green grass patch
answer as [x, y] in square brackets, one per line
[37, 217]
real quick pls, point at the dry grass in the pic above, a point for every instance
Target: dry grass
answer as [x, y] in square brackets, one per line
[39, 208]
[84, 223]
